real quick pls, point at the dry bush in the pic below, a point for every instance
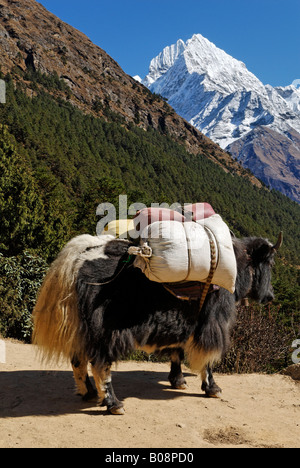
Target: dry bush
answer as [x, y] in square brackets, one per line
[261, 342]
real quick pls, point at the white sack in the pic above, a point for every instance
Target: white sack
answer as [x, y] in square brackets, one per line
[181, 252]
[226, 271]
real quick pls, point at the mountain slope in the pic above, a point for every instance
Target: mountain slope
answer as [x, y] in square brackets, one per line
[31, 38]
[262, 145]
[218, 95]
[89, 132]
[80, 161]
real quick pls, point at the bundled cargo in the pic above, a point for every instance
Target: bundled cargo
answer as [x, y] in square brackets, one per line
[198, 211]
[179, 246]
[174, 251]
[120, 228]
[147, 216]
[187, 212]
[132, 228]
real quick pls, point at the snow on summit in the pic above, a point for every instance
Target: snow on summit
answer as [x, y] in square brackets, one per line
[218, 94]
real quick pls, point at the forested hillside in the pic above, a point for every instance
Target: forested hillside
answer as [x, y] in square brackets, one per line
[58, 164]
[78, 161]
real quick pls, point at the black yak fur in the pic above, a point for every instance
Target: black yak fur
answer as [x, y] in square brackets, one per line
[118, 310]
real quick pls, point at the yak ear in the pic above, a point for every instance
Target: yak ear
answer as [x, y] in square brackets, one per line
[278, 244]
[258, 250]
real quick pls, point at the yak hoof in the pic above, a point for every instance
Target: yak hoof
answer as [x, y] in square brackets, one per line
[182, 386]
[179, 383]
[214, 395]
[116, 410]
[214, 392]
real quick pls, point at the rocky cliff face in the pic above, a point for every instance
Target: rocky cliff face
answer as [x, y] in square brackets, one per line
[31, 38]
[262, 145]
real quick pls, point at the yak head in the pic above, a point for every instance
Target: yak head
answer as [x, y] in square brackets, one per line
[261, 255]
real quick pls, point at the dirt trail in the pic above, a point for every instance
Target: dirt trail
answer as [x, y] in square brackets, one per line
[38, 408]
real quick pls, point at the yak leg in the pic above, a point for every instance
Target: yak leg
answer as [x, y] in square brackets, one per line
[209, 385]
[105, 390]
[176, 377]
[83, 383]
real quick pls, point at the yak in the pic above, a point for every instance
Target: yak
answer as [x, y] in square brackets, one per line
[96, 307]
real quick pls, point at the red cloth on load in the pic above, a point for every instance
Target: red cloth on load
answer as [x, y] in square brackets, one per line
[190, 212]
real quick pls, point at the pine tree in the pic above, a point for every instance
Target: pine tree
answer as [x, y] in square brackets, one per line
[21, 207]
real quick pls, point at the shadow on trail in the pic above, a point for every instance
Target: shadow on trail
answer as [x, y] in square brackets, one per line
[51, 393]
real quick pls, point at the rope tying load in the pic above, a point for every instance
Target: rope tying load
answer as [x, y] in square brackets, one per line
[213, 266]
[143, 251]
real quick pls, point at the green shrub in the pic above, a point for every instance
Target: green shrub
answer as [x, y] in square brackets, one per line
[20, 279]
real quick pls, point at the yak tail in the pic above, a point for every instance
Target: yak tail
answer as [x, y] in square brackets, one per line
[55, 316]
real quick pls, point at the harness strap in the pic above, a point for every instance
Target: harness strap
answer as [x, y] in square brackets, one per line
[188, 290]
[213, 267]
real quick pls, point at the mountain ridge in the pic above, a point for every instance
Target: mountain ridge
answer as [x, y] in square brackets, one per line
[33, 38]
[218, 95]
[262, 144]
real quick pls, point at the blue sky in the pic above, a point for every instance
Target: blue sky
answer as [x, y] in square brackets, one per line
[264, 34]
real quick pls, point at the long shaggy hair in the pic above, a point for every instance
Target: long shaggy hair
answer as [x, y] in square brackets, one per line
[56, 318]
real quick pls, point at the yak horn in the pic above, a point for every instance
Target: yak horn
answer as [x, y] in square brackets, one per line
[279, 242]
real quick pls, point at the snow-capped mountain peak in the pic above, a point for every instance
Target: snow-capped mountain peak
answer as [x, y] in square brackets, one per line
[291, 95]
[218, 95]
[202, 57]
[220, 69]
[163, 62]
